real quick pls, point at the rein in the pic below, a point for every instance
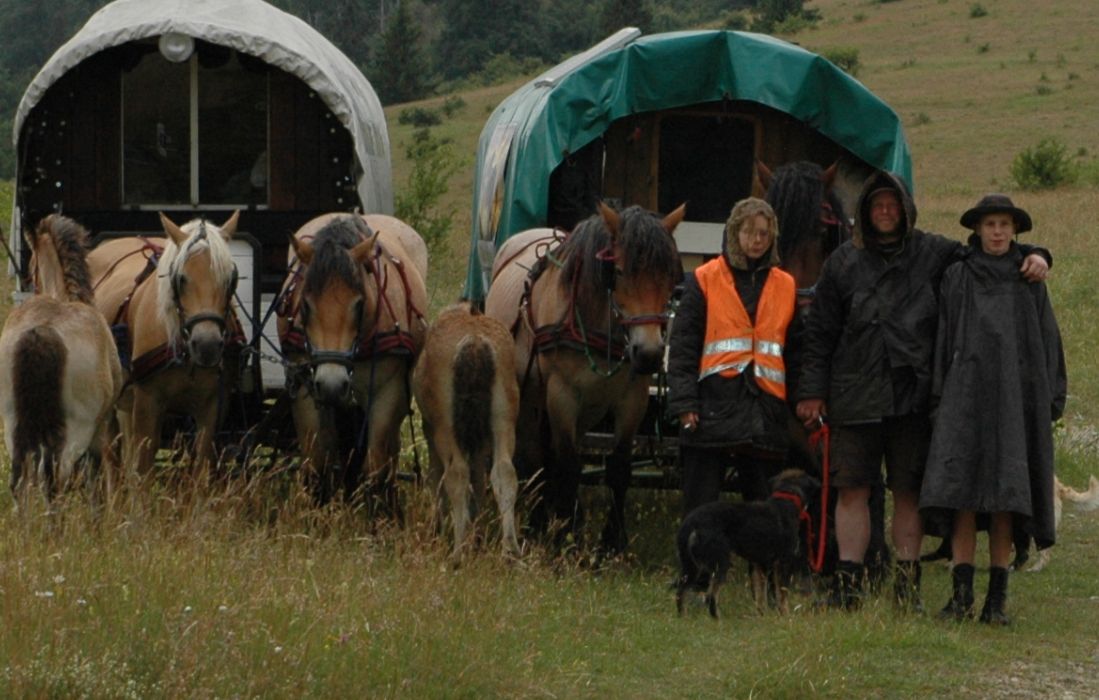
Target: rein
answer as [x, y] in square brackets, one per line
[820, 538]
[821, 436]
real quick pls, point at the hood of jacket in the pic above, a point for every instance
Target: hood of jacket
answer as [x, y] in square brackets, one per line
[864, 231]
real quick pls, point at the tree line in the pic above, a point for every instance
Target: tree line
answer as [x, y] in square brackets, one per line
[408, 49]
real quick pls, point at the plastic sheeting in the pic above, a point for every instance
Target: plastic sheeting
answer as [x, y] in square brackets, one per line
[561, 111]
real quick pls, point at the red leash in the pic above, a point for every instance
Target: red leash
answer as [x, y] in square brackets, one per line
[819, 436]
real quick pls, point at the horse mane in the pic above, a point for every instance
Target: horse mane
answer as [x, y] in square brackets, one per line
[330, 255]
[70, 240]
[796, 193]
[173, 258]
[647, 248]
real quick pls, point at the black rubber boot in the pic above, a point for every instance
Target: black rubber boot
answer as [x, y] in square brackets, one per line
[993, 611]
[960, 606]
[847, 585]
[906, 586]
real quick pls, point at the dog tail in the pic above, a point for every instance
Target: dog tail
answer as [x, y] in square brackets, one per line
[37, 371]
[474, 375]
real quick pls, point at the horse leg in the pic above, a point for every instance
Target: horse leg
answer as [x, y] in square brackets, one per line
[146, 420]
[389, 405]
[628, 415]
[205, 426]
[505, 483]
[456, 482]
[531, 447]
[562, 408]
[315, 441]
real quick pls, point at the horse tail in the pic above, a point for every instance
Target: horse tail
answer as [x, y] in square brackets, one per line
[37, 371]
[474, 375]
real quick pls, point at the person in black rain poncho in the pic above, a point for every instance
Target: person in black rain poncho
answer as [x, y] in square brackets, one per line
[999, 379]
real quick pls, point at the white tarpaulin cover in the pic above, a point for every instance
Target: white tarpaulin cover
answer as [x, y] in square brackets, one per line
[255, 28]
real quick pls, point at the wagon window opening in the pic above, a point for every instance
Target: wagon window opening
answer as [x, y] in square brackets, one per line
[706, 160]
[195, 132]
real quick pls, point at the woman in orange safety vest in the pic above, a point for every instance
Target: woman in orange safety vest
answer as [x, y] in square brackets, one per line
[726, 375]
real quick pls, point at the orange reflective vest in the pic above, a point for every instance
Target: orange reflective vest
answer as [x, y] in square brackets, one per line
[732, 342]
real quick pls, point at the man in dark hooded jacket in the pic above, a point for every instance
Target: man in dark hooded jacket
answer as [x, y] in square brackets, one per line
[867, 367]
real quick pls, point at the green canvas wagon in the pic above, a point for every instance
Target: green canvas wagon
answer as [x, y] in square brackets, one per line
[664, 119]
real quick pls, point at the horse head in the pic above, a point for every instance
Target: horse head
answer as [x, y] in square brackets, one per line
[641, 267]
[810, 218]
[337, 306]
[197, 279]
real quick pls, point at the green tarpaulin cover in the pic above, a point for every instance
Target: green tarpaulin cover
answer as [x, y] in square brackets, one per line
[561, 111]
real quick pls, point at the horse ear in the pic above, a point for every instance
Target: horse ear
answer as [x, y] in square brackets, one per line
[764, 174]
[302, 249]
[361, 252]
[174, 232]
[672, 220]
[230, 226]
[610, 218]
[828, 177]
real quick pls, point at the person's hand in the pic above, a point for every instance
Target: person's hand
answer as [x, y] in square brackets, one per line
[688, 421]
[812, 412]
[1035, 268]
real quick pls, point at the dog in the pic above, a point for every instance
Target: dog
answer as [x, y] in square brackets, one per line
[1083, 500]
[765, 533]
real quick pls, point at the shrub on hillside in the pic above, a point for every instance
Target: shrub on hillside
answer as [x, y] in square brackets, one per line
[977, 10]
[845, 57]
[1044, 166]
[433, 162]
[419, 117]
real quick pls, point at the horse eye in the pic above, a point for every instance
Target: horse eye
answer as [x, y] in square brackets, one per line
[181, 283]
[357, 309]
[306, 311]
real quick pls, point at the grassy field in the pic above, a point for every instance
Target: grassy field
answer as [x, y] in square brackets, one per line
[246, 591]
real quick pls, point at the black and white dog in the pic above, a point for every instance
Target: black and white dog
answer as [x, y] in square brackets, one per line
[768, 534]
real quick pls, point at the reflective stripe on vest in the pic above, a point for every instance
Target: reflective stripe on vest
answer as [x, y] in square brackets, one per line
[732, 342]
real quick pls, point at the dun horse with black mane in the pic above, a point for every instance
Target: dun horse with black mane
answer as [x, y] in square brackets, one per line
[589, 323]
[61, 375]
[351, 324]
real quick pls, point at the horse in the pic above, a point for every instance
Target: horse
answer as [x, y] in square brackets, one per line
[351, 326]
[61, 375]
[588, 322]
[465, 385]
[169, 306]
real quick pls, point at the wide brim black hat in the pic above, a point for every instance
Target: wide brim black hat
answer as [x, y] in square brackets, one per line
[997, 204]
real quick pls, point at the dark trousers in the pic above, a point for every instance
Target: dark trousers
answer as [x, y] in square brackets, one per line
[703, 471]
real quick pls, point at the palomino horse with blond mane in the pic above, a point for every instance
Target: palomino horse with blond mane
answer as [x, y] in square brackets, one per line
[169, 307]
[588, 314]
[61, 374]
[468, 396]
[351, 324]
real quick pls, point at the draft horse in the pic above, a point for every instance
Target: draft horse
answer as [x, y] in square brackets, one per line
[351, 326]
[169, 306]
[588, 321]
[61, 375]
[466, 388]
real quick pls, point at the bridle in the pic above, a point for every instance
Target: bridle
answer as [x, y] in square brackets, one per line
[188, 323]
